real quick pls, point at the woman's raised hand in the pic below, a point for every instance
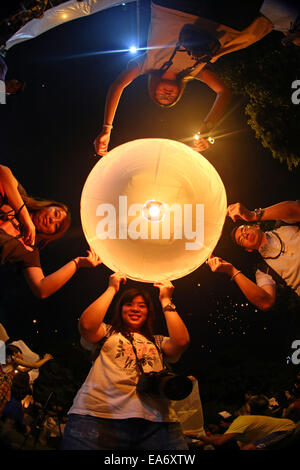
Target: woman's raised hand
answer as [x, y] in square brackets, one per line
[48, 357]
[219, 265]
[90, 261]
[237, 211]
[28, 232]
[115, 280]
[200, 144]
[166, 289]
[101, 142]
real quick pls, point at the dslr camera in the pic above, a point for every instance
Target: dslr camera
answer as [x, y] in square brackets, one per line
[165, 384]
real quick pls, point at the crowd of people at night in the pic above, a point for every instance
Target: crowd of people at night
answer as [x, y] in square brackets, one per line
[261, 419]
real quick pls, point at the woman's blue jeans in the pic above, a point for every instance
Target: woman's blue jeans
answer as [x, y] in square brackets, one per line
[84, 432]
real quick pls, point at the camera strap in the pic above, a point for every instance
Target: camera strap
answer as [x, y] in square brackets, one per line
[139, 361]
[10, 215]
[169, 62]
[211, 45]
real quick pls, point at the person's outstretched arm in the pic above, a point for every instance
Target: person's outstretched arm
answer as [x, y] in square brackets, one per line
[262, 297]
[179, 338]
[217, 110]
[44, 286]
[286, 210]
[90, 322]
[33, 365]
[9, 188]
[112, 100]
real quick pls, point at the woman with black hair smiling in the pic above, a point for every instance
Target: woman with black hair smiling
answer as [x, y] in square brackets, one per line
[110, 411]
[27, 225]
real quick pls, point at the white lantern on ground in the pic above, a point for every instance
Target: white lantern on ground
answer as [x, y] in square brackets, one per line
[153, 209]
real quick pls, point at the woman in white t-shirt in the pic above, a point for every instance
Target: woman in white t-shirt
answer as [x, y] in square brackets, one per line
[108, 413]
[168, 70]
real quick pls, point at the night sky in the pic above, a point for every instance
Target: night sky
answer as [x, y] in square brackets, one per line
[47, 141]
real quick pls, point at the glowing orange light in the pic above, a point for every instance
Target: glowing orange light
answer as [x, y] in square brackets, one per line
[153, 209]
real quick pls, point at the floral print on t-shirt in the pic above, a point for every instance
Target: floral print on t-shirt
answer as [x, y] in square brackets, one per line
[146, 352]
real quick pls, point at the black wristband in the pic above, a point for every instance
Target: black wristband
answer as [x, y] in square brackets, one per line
[18, 213]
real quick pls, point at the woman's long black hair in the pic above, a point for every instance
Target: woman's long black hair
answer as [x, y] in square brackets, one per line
[34, 204]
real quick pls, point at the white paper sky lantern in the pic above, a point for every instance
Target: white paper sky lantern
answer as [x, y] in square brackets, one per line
[153, 209]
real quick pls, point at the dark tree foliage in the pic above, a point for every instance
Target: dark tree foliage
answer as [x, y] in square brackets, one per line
[263, 74]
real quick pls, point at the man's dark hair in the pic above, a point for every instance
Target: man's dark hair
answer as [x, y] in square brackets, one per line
[259, 405]
[11, 349]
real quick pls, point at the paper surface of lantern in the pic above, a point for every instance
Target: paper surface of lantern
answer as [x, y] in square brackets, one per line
[153, 209]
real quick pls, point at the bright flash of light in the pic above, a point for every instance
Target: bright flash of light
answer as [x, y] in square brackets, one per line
[211, 140]
[64, 16]
[88, 54]
[133, 49]
[219, 136]
[154, 211]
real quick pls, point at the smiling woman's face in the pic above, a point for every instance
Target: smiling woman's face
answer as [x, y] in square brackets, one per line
[134, 313]
[49, 219]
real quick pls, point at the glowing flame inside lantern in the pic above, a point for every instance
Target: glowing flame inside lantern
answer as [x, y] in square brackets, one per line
[153, 209]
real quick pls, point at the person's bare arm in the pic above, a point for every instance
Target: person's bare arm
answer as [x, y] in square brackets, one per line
[90, 322]
[219, 439]
[223, 97]
[112, 100]
[262, 297]
[44, 286]
[33, 365]
[217, 110]
[286, 210]
[179, 338]
[9, 188]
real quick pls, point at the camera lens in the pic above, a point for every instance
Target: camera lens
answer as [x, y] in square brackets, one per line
[176, 387]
